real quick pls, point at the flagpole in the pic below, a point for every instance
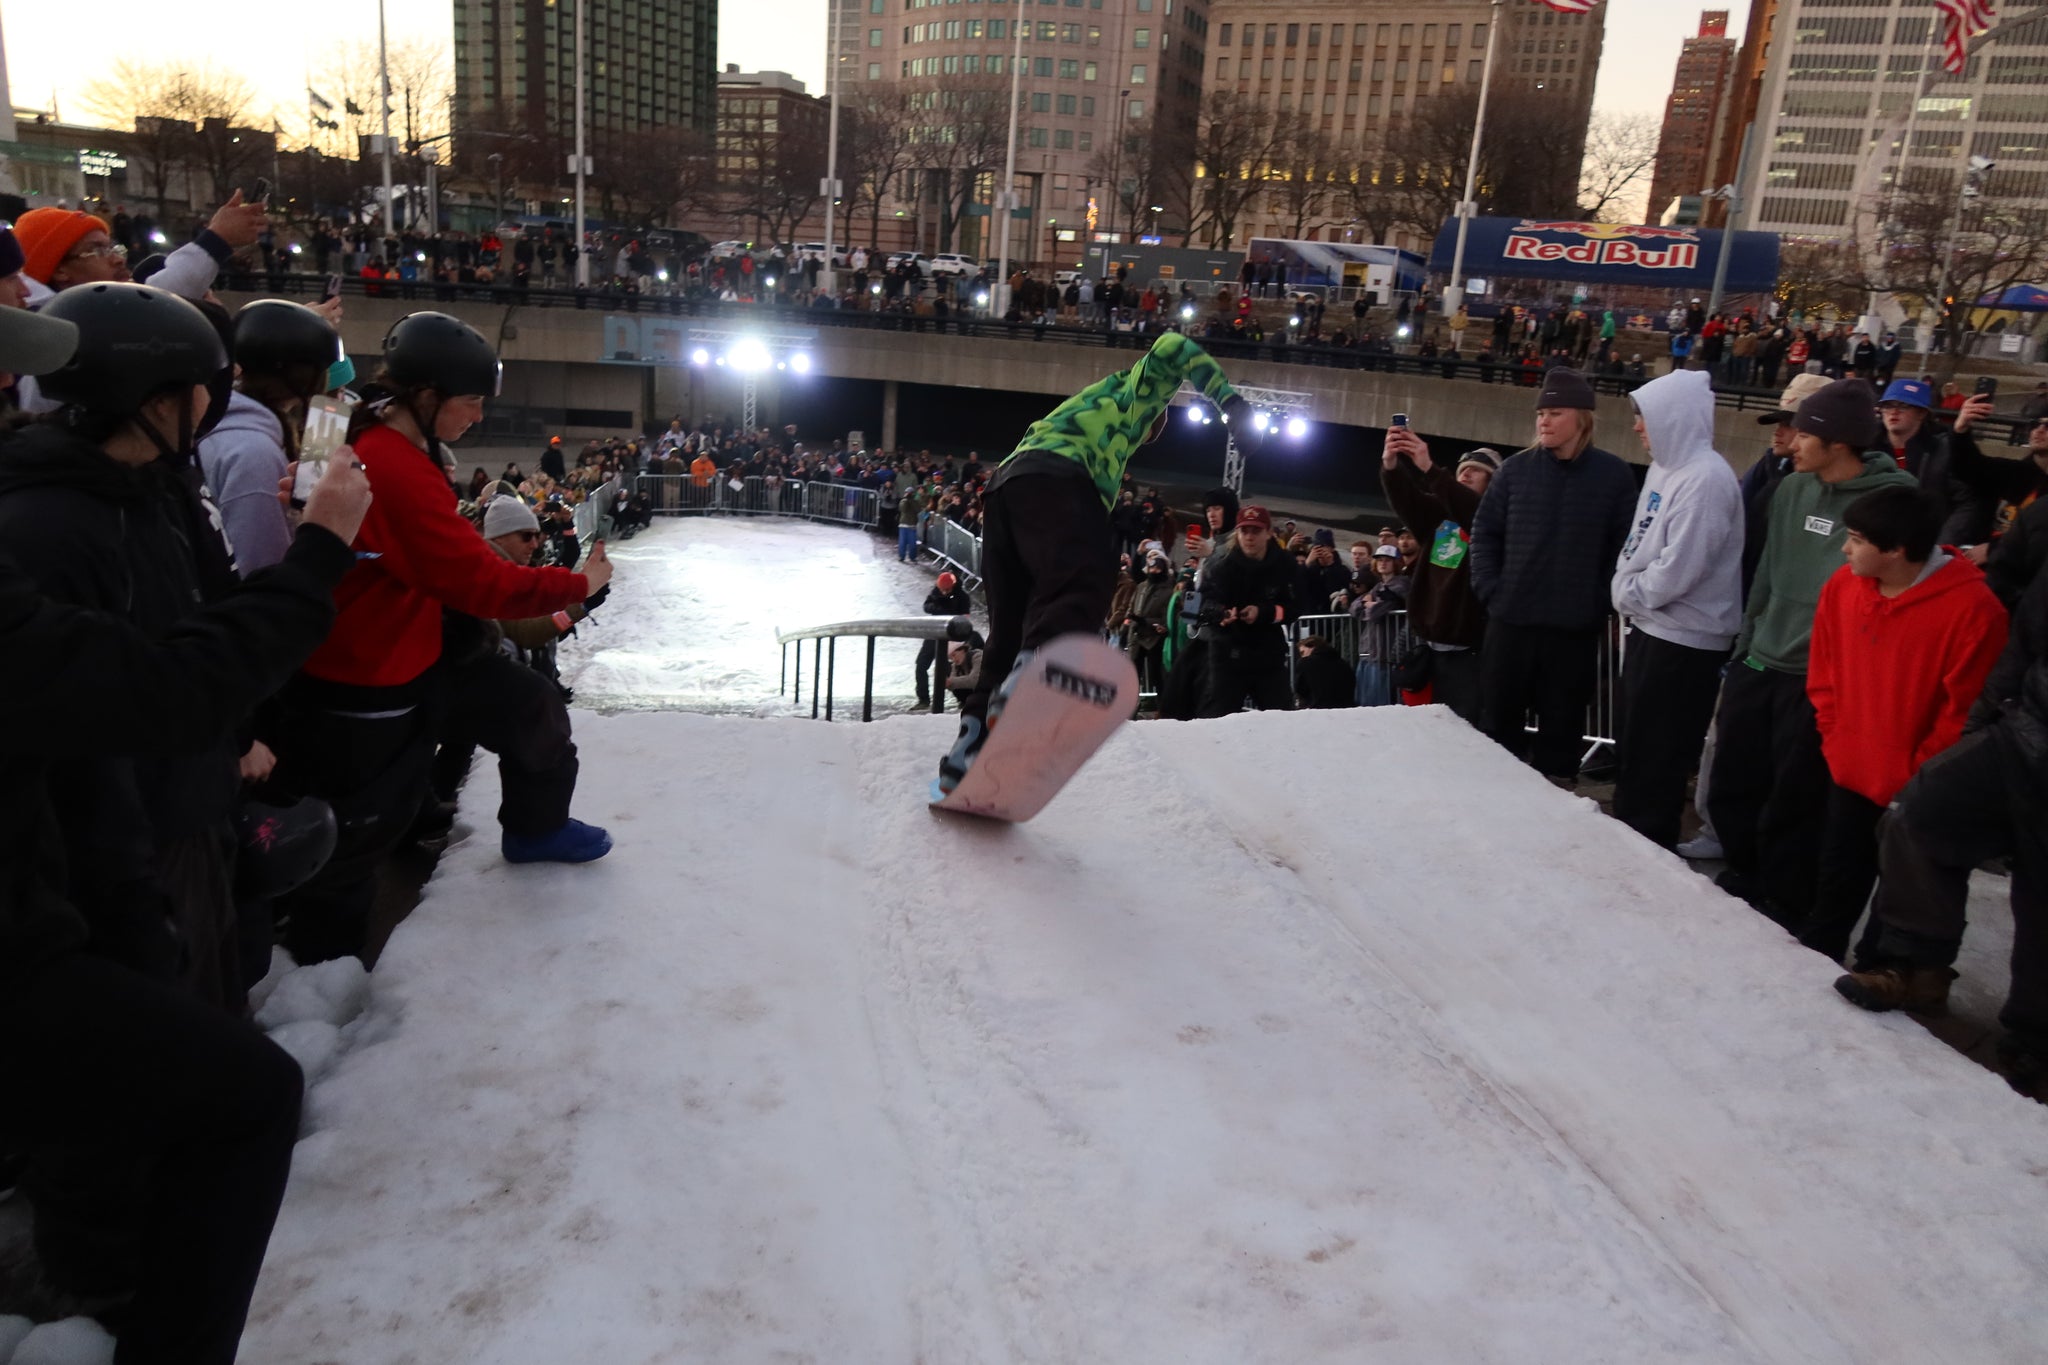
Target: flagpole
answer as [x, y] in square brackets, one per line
[582, 160]
[1454, 296]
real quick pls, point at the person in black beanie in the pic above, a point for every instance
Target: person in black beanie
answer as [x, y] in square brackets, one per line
[1544, 544]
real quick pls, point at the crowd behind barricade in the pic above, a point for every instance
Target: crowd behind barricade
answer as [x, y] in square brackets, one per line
[262, 642]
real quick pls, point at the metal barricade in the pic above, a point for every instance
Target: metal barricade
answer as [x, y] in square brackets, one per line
[681, 494]
[593, 514]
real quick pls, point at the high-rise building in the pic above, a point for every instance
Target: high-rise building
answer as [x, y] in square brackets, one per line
[1739, 110]
[1359, 70]
[1095, 75]
[1686, 154]
[1841, 75]
[652, 65]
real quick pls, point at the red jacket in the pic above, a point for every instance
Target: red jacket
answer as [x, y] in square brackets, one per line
[387, 630]
[1892, 678]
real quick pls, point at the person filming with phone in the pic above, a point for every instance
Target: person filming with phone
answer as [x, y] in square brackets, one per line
[1440, 500]
[361, 718]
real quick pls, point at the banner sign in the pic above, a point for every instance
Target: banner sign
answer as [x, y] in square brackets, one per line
[1610, 253]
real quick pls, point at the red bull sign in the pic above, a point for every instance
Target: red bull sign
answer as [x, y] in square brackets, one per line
[1566, 251]
[1605, 244]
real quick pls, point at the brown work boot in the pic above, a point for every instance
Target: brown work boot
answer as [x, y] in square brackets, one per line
[1898, 986]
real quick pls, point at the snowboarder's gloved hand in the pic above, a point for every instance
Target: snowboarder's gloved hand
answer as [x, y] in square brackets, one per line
[1238, 414]
[596, 599]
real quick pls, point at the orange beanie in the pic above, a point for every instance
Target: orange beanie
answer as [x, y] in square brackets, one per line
[47, 236]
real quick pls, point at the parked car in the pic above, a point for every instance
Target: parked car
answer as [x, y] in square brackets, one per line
[1063, 278]
[916, 259]
[952, 264]
[815, 251]
[722, 251]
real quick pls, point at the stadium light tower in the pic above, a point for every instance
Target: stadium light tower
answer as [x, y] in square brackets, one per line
[751, 353]
[1276, 411]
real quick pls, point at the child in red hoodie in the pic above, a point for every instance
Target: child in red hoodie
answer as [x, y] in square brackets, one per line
[1903, 638]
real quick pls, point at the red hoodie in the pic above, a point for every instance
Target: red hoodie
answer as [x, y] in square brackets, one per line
[387, 630]
[1893, 678]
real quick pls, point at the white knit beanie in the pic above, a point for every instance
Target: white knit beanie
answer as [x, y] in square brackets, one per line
[506, 515]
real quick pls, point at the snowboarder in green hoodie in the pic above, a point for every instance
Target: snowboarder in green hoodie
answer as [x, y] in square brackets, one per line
[1048, 565]
[1770, 781]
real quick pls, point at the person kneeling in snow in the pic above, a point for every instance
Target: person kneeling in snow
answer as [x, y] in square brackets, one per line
[1048, 558]
[509, 708]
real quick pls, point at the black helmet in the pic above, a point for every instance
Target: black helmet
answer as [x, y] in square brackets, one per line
[282, 846]
[290, 340]
[435, 351]
[134, 342]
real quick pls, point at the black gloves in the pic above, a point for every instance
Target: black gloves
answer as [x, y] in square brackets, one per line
[596, 599]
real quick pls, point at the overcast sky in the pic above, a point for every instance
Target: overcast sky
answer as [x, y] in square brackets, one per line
[46, 59]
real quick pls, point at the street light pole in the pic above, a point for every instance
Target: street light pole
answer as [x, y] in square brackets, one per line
[832, 140]
[582, 160]
[1006, 193]
[1116, 165]
[1454, 296]
[384, 94]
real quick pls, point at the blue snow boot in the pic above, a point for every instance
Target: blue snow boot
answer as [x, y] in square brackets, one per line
[574, 842]
[954, 766]
[1002, 696]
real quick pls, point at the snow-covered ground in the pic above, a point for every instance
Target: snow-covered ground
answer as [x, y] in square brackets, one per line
[1318, 1037]
[1219, 1060]
[691, 621]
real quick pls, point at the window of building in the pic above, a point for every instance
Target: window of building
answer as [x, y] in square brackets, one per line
[1272, 34]
[1355, 73]
[1224, 38]
[995, 28]
[1048, 32]
[874, 71]
[1137, 109]
[1372, 106]
[1265, 68]
[1041, 103]
[971, 63]
[952, 28]
[974, 28]
[1041, 66]
[952, 66]
[1070, 33]
[1308, 69]
[1063, 138]
[1138, 74]
[1070, 68]
[1379, 69]
[874, 37]
[1407, 35]
[1451, 33]
[1478, 35]
[1429, 35]
[1141, 37]
[1087, 71]
[1087, 142]
[1473, 71]
[1094, 35]
[1329, 104]
[1293, 34]
[1400, 71]
[1069, 105]
[1037, 137]
[1287, 69]
[1315, 35]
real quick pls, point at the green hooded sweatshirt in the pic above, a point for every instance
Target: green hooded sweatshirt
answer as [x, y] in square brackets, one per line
[1103, 425]
[1802, 550]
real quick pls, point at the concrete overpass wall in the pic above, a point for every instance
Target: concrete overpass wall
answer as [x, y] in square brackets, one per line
[592, 361]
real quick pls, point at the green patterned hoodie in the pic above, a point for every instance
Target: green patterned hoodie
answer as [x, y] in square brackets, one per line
[1103, 425]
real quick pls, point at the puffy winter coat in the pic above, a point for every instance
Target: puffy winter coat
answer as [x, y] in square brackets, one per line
[1546, 536]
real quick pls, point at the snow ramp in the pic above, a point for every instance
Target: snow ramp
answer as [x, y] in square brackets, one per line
[1320, 1037]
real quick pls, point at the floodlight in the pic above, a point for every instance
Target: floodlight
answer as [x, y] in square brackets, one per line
[1297, 427]
[800, 362]
[700, 356]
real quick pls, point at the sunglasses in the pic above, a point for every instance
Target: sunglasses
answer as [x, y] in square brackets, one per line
[528, 535]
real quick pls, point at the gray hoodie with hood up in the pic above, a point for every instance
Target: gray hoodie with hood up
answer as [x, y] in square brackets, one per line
[1679, 576]
[242, 460]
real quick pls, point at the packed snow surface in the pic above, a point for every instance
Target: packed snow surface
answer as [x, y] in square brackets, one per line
[1219, 1060]
[690, 624]
[1322, 1037]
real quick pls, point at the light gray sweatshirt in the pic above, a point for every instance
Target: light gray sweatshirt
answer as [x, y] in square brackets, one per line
[1679, 576]
[242, 459]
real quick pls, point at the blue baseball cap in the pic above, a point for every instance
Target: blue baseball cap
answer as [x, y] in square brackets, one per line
[1912, 392]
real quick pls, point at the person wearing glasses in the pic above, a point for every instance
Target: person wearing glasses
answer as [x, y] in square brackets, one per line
[1997, 490]
[64, 248]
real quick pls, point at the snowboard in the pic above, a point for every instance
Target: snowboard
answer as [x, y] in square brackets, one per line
[1074, 692]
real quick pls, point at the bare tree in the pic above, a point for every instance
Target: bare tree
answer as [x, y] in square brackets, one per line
[1945, 260]
[185, 120]
[1621, 151]
[1525, 168]
[1234, 147]
[875, 155]
[1303, 187]
[644, 176]
[1136, 174]
[958, 134]
[1817, 275]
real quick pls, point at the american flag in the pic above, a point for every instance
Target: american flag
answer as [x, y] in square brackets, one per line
[1961, 18]
[1586, 6]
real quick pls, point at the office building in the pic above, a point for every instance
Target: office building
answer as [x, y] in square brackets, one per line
[1361, 68]
[652, 65]
[1841, 76]
[1738, 111]
[1094, 73]
[1686, 150]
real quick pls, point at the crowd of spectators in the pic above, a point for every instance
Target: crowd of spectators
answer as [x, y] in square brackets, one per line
[241, 648]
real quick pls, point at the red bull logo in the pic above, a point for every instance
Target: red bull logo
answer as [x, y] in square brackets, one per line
[1606, 244]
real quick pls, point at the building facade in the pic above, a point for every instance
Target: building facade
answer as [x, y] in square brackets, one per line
[1358, 70]
[1842, 76]
[1091, 72]
[652, 64]
[1687, 153]
[1745, 97]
